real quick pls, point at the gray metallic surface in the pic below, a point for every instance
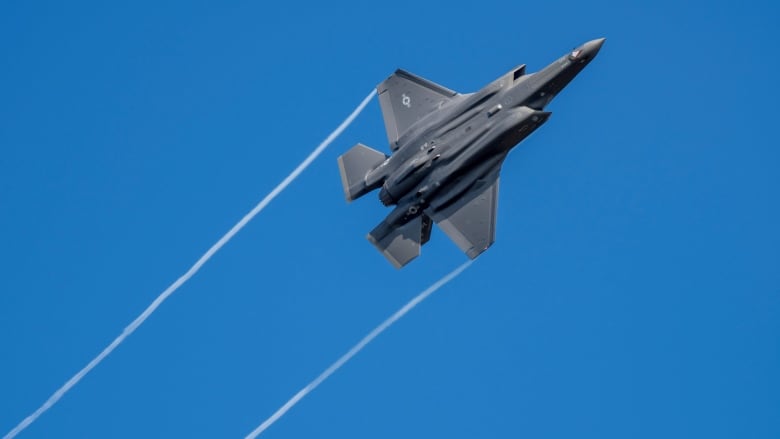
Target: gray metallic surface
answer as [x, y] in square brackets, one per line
[447, 153]
[352, 166]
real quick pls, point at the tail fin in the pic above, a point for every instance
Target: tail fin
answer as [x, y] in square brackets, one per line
[354, 165]
[401, 244]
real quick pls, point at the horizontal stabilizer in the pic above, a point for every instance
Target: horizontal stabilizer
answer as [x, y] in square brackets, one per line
[354, 165]
[401, 244]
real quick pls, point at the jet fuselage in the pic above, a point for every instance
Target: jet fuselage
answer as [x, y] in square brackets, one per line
[448, 149]
[444, 153]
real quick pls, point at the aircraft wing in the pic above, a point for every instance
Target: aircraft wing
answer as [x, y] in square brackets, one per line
[406, 98]
[471, 220]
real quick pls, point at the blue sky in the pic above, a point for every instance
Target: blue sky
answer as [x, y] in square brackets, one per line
[633, 290]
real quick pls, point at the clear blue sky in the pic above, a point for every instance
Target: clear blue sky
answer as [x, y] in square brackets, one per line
[633, 290]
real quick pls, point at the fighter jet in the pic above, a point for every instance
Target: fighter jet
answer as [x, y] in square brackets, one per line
[447, 151]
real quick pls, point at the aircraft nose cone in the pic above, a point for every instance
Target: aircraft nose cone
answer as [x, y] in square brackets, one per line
[594, 46]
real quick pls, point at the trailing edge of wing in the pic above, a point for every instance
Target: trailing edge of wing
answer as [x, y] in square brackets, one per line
[471, 221]
[406, 98]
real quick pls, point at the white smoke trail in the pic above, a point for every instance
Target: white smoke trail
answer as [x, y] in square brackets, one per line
[186, 276]
[355, 349]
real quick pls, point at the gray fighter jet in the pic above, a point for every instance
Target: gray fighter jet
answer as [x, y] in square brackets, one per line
[447, 151]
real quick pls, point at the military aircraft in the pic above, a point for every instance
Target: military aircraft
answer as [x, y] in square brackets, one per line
[447, 152]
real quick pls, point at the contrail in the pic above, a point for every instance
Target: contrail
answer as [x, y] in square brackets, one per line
[194, 269]
[355, 349]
